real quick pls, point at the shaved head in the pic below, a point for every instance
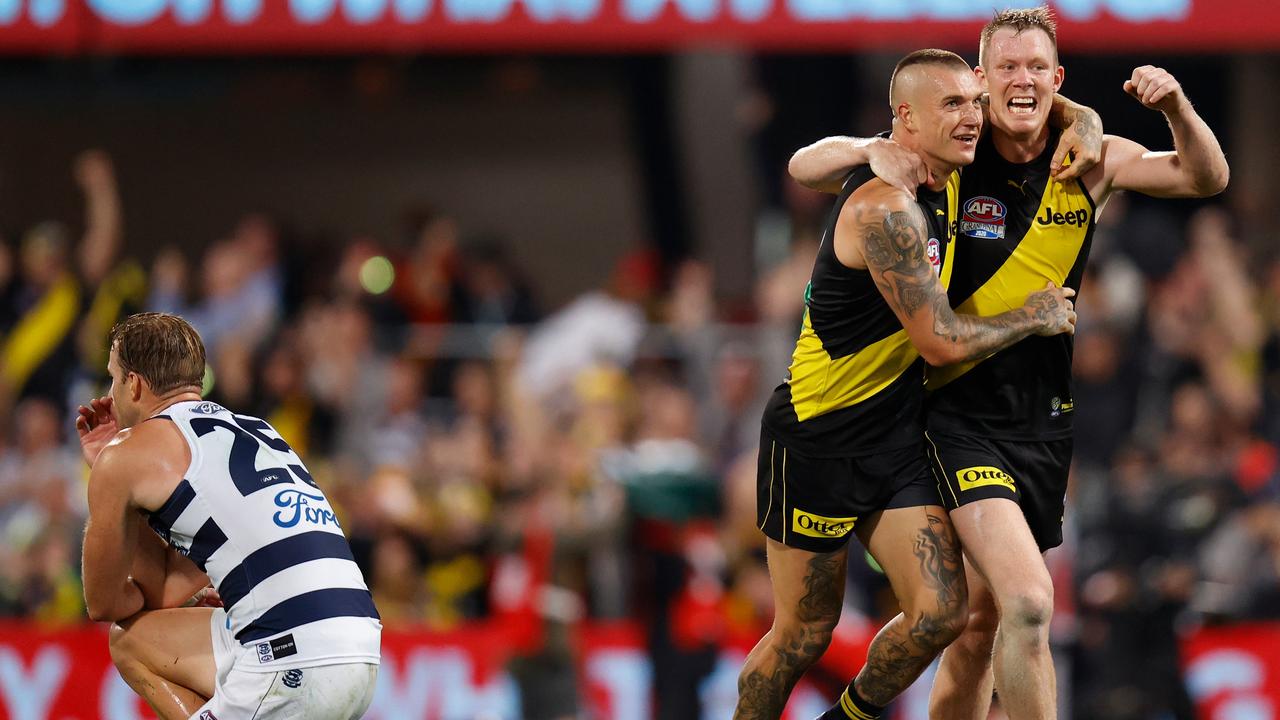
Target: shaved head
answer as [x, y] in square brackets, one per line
[936, 102]
[912, 72]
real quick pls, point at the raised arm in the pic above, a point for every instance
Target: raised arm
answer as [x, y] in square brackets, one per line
[889, 235]
[1195, 168]
[104, 224]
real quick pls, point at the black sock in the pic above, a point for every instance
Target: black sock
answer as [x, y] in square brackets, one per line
[852, 707]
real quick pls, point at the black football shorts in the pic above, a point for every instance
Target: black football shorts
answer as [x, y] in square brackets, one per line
[815, 503]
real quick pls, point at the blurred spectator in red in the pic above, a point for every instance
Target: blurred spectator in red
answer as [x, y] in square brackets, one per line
[426, 281]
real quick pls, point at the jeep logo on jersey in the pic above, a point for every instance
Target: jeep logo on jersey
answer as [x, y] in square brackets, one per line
[983, 218]
[933, 249]
[1071, 217]
[819, 526]
[208, 408]
[975, 477]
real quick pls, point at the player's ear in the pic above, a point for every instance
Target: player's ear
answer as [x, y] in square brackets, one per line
[982, 76]
[902, 113]
[1058, 76]
[134, 381]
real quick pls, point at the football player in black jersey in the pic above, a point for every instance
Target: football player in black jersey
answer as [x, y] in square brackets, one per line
[1000, 429]
[842, 449]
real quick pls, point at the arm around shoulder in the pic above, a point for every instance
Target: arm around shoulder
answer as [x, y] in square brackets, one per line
[890, 231]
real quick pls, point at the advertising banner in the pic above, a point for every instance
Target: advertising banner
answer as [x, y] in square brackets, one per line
[328, 26]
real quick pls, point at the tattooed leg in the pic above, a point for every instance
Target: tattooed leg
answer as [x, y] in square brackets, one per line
[919, 551]
[962, 688]
[808, 592]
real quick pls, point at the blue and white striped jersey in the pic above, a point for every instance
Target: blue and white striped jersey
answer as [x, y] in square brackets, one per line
[249, 514]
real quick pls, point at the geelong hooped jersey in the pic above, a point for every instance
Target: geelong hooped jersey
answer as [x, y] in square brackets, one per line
[249, 515]
[856, 383]
[1018, 229]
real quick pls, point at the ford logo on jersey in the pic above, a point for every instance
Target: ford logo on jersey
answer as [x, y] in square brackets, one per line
[983, 218]
[297, 506]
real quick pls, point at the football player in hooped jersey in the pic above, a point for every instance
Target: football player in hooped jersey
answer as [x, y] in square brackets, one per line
[999, 429]
[184, 493]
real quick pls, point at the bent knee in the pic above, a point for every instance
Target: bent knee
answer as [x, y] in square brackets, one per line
[982, 624]
[122, 644]
[1028, 608]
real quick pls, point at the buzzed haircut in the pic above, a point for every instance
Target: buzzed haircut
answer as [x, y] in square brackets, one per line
[164, 349]
[928, 56]
[1020, 20]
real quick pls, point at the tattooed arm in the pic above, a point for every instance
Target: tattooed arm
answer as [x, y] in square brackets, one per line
[882, 230]
[1081, 136]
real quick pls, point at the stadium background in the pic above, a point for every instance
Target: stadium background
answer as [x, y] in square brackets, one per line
[515, 280]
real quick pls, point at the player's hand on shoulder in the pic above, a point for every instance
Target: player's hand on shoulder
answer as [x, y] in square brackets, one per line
[97, 426]
[1082, 141]
[1053, 310]
[897, 165]
[1155, 88]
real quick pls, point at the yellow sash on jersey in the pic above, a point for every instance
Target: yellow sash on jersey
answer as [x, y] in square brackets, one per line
[820, 384]
[1046, 252]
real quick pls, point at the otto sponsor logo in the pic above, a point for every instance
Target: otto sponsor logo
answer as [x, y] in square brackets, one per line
[933, 249]
[819, 526]
[299, 506]
[983, 217]
[975, 477]
[1075, 218]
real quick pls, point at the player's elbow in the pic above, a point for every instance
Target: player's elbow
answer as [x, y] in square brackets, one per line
[796, 169]
[1214, 182]
[938, 354]
[100, 613]
[104, 609]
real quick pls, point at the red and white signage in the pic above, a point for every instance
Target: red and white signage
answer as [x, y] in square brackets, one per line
[1234, 672]
[285, 26]
[68, 675]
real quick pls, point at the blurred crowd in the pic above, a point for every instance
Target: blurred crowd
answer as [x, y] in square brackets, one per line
[496, 460]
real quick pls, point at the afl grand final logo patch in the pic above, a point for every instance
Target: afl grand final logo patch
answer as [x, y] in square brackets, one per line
[983, 218]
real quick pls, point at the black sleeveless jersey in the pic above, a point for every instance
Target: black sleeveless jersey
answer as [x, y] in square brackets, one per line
[856, 383]
[1018, 229]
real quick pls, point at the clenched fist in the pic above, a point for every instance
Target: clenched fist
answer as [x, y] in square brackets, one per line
[1155, 88]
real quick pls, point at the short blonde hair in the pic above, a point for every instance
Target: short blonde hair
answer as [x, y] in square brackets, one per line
[164, 349]
[1020, 20]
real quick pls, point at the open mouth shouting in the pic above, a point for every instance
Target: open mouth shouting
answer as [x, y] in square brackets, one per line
[1023, 105]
